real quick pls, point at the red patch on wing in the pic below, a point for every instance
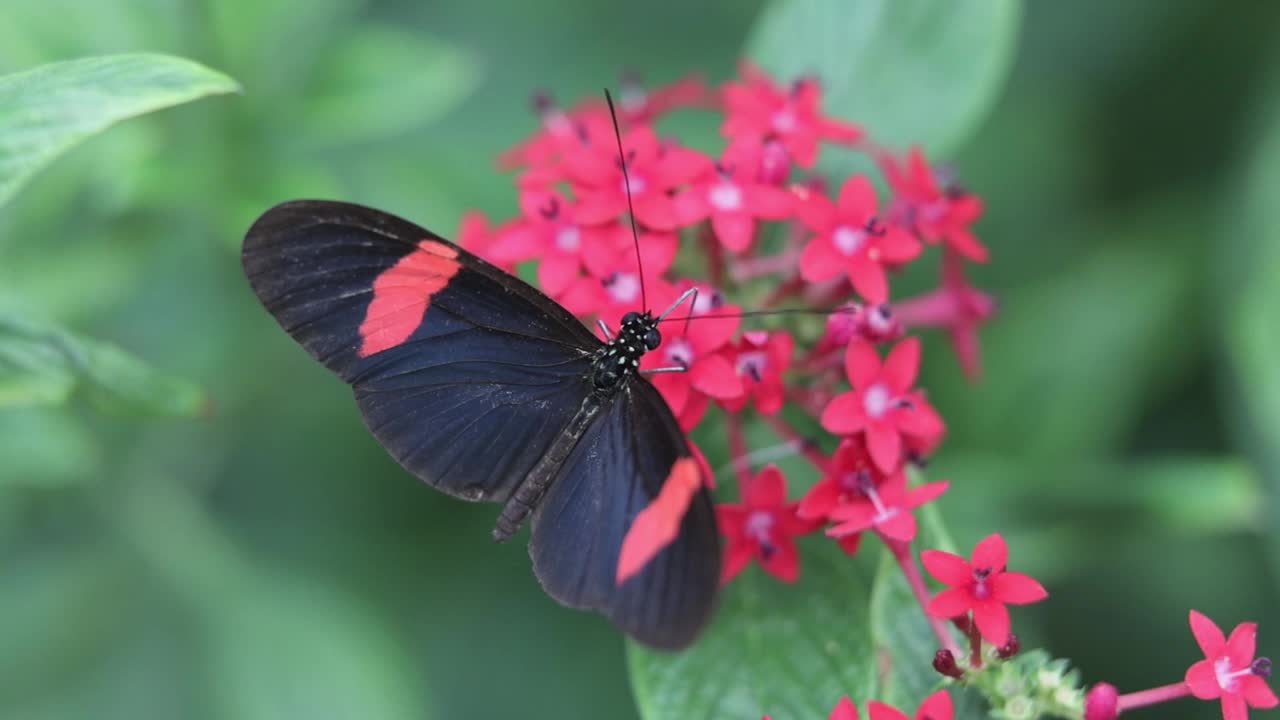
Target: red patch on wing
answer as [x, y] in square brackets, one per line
[402, 294]
[659, 523]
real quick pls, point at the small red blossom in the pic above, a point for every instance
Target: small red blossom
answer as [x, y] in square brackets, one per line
[709, 373]
[885, 509]
[759, 358]
[1229, 671]
[636, 104]
[981, 585]
[561, 131]
[758, 110]
[849, 473]
[734, 197]
[957, 307]
[654, 169]
[850, 240]
[475, 235]
[844, 710]
[935, 707]
[762, 526]
[882, 405]
[854, 320]
[931, 208]
[1102, 702]
[612, 286]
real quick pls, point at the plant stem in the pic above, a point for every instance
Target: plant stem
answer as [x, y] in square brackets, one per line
[738, 452]
[907, 563]
[1142, 698]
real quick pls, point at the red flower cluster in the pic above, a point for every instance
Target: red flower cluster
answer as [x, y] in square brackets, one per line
[935, 707]
[754, 209]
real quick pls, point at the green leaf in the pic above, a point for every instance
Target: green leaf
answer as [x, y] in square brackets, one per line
[45, 447]
[788, 650]
[42, 364]
[909, 71]
[47, 110]
[381, 81]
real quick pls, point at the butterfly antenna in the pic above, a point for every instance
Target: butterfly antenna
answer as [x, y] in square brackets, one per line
[626, 184]
[766, 313]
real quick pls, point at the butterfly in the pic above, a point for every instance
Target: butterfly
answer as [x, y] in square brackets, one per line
[488, 390]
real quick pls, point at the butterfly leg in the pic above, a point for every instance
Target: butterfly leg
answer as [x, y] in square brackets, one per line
[655, 371]
[604, 328]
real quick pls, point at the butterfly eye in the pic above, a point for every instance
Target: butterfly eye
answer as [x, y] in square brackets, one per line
[652, 339]
[630, 318]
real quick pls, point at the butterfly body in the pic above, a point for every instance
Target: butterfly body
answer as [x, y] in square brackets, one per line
[488, 390]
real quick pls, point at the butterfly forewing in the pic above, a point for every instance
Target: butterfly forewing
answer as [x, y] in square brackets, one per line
[469, 376]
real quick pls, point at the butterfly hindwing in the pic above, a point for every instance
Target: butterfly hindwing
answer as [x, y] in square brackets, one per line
[615, 471]
[464, 373]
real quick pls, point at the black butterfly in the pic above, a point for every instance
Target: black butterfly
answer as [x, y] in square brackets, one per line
[488, 390]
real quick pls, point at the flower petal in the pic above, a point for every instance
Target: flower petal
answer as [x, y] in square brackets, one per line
[1017, 589]
[880, 711]
[857, 200]
[950, 603]
[926, 493]
[897, 246]
[967, 245]
[770, 203]
[936, 707]
[816, 211]
[843, 415]
[1233, 707]
[919, 419]
[736, 558]
[947, 568]
[556, 272]
[819, 261]
[735, 230]
[714, 375]
[885, 445]
[784, 562]
[1202, 681]
[900, 526]
[902, 365]
[767, 490]
[849, 543]
[1242, 644]
[991, 552]
[868, 278]
[861, 364]
[1210, 639]
[1257, 694]
[992, 618]
[844, 710]
[674, 388]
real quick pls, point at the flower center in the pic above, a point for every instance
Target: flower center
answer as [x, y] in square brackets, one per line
[932, 212]
[678, 351]
[848, 240]
[784, 121]
[1228, 680]
[876, 400]
[753, 364]
[725, 196]
[981, 588]
[759, 527]
[638, 185]
[623, 287]
[568, 238]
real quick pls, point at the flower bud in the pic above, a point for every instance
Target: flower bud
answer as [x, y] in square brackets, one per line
[1101, 702]
[945, 663]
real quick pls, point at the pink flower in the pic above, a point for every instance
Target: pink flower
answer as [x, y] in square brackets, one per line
[655, 168]
[710, 374]
[1229, 671]
[982, 586]
[759, 358]
[930, 208]
[885, 509]
[956, 306]
[734, 197]
[637, 105]
[757, 110]
[882, 404]
[849, 477]
[475, 235]
[561, 131]
[763, 526]
[849, 240]
[853, 320]
[935, 707]
[612, 285]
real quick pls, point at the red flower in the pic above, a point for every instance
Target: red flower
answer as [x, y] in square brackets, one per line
[710, 373]
[733, 197]
[762, 526]
[882, 404]
[958, 307]
[757, 110]
[850, 474]
[612, 287]
[561, 131]
[844, 710]
[654, 168]
[931, 209]
[873, 323]
[886, 509]
[850, 240]
[982, 586]
[935, 707]
[637, 105]
[760, 358]
[1229, 671]
[475, 235]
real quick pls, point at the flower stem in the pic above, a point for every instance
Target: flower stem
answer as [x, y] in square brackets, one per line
[715, 254]
[907, 563]
[793, 436]
[975, 644]
[739, 455]
[1142, 698]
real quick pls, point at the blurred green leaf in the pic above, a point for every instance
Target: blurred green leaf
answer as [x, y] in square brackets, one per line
[45, 447]
[910, 71]
[41, 364]
[47, 110]
[787, 650]
[381, 81]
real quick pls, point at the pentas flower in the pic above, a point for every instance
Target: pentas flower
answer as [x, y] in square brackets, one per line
[882, 405]
[636, 104]
[982, 586]
[548, 230]
[758, 110]
[854, 320]
[931, 208]
[850, 240]
[709, 373]
[935, 707]
[475, 235]
[885, 509]
[759, 358]
[851, 473]
[612, 286]
[956, 306]
[844, 710]
[654, 169]
[734, 197]
[561, 131]
[1230, 672]
[763, 526]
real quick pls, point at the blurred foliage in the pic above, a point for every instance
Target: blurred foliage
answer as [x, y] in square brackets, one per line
[268, 560]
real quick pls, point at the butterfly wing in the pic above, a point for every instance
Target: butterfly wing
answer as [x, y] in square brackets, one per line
[464, 373]
[621, 464]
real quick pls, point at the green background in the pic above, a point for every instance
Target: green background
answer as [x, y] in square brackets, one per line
[265, 559]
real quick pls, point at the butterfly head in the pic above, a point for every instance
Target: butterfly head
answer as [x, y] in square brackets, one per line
[620, 357]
